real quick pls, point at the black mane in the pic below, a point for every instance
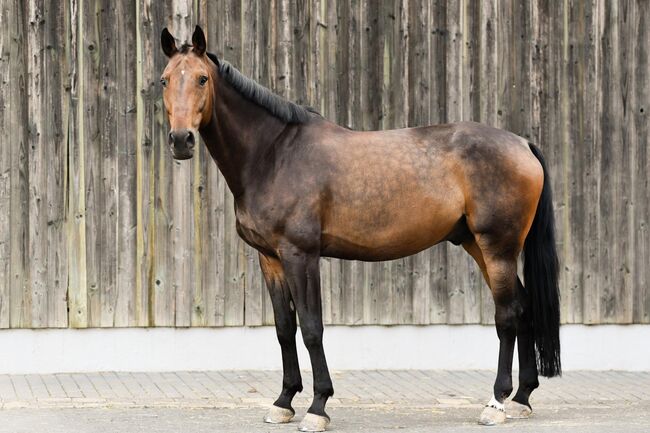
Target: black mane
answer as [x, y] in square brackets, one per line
[276, 105]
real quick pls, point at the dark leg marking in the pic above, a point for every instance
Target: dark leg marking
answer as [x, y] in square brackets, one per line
[285, 327]
[502, 276]
[528, 378]
[303, 274]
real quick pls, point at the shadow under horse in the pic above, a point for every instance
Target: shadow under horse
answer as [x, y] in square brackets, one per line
[305, 188]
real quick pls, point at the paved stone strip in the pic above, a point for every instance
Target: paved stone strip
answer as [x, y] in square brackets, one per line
[224, 389]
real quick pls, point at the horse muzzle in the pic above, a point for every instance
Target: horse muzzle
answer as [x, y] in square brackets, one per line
[181, 142]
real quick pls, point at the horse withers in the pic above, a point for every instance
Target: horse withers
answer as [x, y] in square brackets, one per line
[305, 188]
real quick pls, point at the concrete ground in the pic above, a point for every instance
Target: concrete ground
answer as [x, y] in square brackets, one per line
[365, 401]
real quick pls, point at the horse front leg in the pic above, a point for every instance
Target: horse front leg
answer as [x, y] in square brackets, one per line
[285, 327]
[303, 275]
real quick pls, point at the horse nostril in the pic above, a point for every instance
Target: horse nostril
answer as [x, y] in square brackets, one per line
[190, 139]
[171, 137]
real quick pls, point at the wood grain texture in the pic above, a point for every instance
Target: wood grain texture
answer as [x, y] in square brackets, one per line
[99, 227]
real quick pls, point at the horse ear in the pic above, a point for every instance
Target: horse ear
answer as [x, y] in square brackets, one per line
[198, 41]
[168, 43]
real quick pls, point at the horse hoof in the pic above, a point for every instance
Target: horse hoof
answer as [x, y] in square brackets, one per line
[313, 422]
[492, 416]
[516, 410]
[278, 415]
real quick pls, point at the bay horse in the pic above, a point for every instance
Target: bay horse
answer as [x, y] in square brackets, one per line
[305, 188]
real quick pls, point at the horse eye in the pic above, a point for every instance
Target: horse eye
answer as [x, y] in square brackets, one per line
[203, 79]
[163, 82]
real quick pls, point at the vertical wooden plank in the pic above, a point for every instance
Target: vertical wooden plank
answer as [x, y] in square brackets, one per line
[562, 167]
[349, 70]
[143, 162]
[581, 78]
[592, 180]
[420, 86]
[487, 90]
[472, 111]
[234, 271]
[624, 268]
[487, 58]
[254, 292]
[555, 138]
[456, 281]
[6, 72]
[127, 171]
[163, 291]
[199, 176]
[641, 71]
[548, 60]
[369, 275]
[317, 46]
[56, 103]
[283, 53]
[36, 166]
[438, 299]
[14, 176]
[108, 210]
[182, 203]
[263, 65]
[316, 73]
[76, 230]
[190, 300]
[151, 145]
[341, 106]
[614, 204]
[211, 205]
[462, 274]
[381, 281]
[214, 245]
[299, 80]
[93, 195]
[330, 108]
[341, 110]
[398, 116]
[358, 270]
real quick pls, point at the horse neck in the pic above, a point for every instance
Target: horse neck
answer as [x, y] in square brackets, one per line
[237, 134]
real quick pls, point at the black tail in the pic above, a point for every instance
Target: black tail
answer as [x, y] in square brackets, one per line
[541, 269]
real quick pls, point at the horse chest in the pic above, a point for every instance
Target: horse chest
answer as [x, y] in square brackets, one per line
[253, 231]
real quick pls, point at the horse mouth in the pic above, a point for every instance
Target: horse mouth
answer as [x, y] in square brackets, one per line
[182, 156]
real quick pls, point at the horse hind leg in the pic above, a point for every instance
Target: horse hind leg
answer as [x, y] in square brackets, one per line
[500, 272]
[519, 406]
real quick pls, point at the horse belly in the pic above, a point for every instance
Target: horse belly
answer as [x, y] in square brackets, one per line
[375, 233]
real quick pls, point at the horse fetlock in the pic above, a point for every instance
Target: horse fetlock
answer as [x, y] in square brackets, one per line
[289, 390]
[323, 391]
[502, 390]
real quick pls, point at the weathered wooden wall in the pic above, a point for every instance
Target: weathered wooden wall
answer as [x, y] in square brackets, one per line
[100, 227]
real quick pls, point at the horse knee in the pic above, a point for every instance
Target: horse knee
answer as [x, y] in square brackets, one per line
[312, 334]
[529, 380]
[312, 339]
[286, 333]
